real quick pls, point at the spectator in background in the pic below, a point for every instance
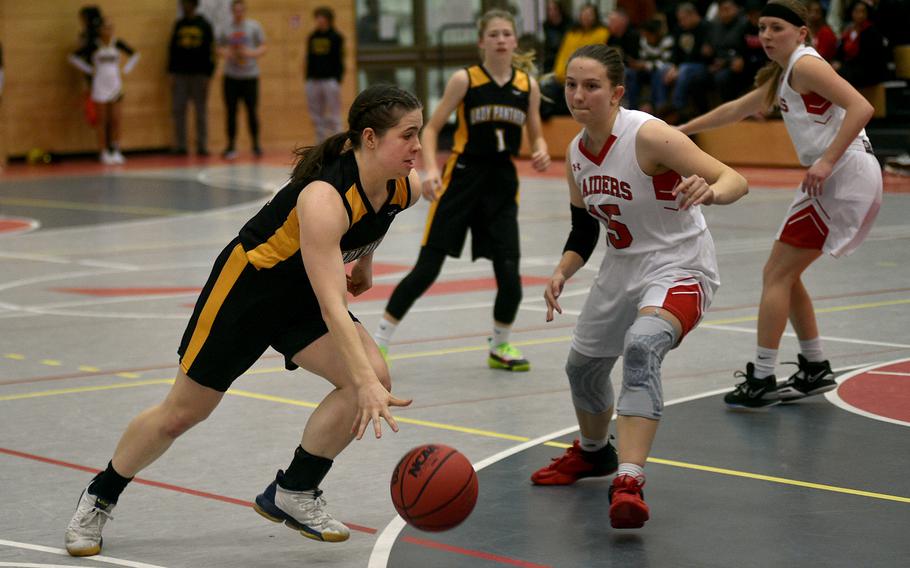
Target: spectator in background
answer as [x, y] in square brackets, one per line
[691, 55]
[555, 26]
[654, 53]
[191, 61]
[823, 38]
[754, 54]
[862, 57]
[323, 69]
[728, 43]
[588, 31]
[241, 45]
[627, 39]
[101, 60]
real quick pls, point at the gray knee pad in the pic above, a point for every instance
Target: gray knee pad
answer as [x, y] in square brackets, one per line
[646, 343]
[589, 378]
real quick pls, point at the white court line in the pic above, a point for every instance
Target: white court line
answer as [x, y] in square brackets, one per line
[836, 400]
[62, 552]
[379, 557]
[889, 373]
[382, 548]
[707, 325]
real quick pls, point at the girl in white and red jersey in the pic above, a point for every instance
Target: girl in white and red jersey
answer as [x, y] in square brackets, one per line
[101, 60]
[838, 200]
[644, 181]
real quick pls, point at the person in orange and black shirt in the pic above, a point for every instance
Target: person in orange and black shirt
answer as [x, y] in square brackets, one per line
[282, 283]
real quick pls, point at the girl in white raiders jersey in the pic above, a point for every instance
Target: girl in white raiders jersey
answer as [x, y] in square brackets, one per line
[101, 60]
[834, 210]
[644, 181]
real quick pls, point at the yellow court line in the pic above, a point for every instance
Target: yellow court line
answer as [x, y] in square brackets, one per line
[74, 390]
[478, 432]
[759, 476]
[782, 480]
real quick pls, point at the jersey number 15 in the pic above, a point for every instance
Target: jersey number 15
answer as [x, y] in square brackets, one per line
[618, 235]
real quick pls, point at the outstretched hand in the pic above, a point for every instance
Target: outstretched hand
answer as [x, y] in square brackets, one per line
[373, 402]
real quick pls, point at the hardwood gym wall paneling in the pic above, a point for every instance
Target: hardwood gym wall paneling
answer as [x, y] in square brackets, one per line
[42, 97]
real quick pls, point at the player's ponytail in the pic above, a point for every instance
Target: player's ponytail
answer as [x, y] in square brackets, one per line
[379, 107]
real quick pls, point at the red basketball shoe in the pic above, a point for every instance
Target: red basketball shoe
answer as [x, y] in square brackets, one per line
[628, 509]
[572, 466]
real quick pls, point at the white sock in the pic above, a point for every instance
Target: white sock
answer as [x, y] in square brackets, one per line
[500, 335]
[633, 470]
[384, 332]
[812, 350]
[765, 360]
[592, 445]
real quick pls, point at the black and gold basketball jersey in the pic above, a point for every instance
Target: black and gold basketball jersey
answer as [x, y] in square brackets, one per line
[490, 116]
[271, 238]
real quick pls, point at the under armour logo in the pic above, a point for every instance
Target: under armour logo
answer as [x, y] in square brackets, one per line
[576, 167]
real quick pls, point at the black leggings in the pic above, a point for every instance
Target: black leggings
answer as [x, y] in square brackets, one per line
[248, 91]
[425, 272]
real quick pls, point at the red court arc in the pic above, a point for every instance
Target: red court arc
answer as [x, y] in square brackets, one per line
[881, 392]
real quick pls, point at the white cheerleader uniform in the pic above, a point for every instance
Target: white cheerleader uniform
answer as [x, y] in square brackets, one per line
[838, 220]
[658, 254]
[104, 67]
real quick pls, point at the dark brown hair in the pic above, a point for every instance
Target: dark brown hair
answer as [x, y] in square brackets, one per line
[379, 107]
[608, 56]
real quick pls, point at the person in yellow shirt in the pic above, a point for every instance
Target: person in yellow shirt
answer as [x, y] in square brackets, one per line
[590, 30]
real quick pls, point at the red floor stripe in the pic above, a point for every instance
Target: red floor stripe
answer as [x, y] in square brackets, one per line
[360, 528]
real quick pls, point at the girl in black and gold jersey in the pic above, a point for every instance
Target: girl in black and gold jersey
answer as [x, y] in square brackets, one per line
[282, 283]
[478, 188]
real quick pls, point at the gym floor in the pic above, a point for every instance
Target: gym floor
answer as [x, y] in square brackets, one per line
[100, 267]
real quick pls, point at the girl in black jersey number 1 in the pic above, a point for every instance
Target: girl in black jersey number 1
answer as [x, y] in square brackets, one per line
[478, 187]
[282, 283]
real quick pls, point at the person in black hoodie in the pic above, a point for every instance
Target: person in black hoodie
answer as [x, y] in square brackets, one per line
[323, 69]
[191, 61]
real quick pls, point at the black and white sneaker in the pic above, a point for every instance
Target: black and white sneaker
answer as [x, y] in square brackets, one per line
[752, 392]
[812, 378]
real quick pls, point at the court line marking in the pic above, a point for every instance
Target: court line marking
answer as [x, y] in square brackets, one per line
[382, 549]
[836, 400]
[512, 437]
[62, 552]
[222, 498]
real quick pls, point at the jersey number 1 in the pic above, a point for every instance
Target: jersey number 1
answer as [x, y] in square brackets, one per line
[500, 140]
[618, 235]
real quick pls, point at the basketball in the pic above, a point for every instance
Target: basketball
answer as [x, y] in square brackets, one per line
[434, 487]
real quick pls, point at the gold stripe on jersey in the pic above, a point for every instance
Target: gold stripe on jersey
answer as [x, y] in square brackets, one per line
[228, 276]
[283, 243]
[358, 207]
[477, 76]
[401, 193]
[446, 178]
[461, 134]
[521, 81]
